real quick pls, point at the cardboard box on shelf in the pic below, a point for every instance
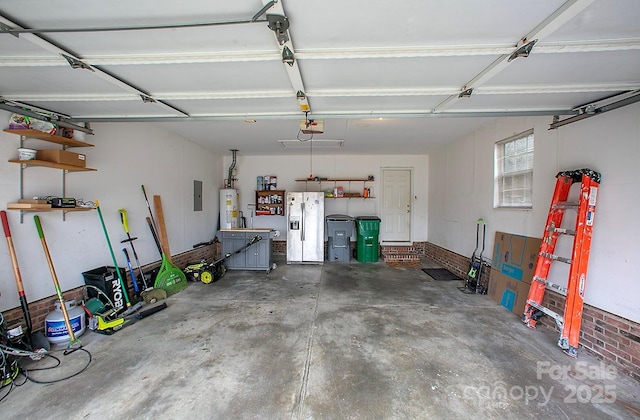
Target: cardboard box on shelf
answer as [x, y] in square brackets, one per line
[515, 256]
[510, 293]
[62, 156]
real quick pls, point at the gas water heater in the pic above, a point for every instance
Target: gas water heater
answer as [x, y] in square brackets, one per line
[229, 208]
[229, 199]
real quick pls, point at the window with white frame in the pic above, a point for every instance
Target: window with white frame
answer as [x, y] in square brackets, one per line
[514, 171]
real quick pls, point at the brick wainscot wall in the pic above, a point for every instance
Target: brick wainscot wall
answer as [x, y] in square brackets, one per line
[609, 337]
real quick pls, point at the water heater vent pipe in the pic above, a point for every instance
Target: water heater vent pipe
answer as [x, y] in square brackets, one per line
[233, 165]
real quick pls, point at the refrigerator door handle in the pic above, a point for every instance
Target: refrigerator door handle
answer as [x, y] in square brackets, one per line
[302, 222]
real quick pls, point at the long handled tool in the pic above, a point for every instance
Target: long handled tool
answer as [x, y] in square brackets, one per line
[472, 279]
[162, 227]
[113, 257]
[481, 288]
[125, 225]
[131, 272]
[149, 294]
[152, 223]
[63, 307]
[155, 235]
[36, 340]
[146, 199]
[169, 277]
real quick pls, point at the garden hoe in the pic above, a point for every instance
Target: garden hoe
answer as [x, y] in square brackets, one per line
[74, 343]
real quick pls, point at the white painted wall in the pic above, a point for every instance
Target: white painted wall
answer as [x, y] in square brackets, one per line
[125, 156]
[290, 168]
[461, 191]
[452, 188]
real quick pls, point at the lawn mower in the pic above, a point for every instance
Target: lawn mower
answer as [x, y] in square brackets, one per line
[208, 272]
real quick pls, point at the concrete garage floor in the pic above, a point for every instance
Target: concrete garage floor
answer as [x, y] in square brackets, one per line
[338, 341]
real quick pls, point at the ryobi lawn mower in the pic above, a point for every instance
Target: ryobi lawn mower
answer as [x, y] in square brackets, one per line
[208, 272]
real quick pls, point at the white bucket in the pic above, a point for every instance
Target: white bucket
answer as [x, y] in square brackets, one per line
[26, 154]
[55, 327]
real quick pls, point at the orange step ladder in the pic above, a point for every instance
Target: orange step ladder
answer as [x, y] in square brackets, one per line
[568, 323]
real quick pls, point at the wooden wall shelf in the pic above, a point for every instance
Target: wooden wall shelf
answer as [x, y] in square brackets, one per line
[48, 164]
[44, 207]
[51, 138]
[335, 181]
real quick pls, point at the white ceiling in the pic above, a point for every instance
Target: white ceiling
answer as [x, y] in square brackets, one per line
[384, 76]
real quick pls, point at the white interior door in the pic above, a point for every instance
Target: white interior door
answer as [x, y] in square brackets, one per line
[396, 205]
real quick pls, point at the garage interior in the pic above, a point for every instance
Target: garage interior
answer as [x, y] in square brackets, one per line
[392, 111]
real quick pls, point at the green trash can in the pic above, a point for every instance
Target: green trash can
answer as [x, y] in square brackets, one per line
[367, 248]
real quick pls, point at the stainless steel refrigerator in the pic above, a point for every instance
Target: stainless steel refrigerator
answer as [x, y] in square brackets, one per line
[305, 227]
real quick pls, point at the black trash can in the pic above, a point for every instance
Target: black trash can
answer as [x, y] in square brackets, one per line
[106, 279]
[339, 229]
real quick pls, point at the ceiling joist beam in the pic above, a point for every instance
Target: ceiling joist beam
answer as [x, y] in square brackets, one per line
[330, 93]
[362, 114]
[611, 45]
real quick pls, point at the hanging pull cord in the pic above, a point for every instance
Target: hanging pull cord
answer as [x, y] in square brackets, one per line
[311, 158]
